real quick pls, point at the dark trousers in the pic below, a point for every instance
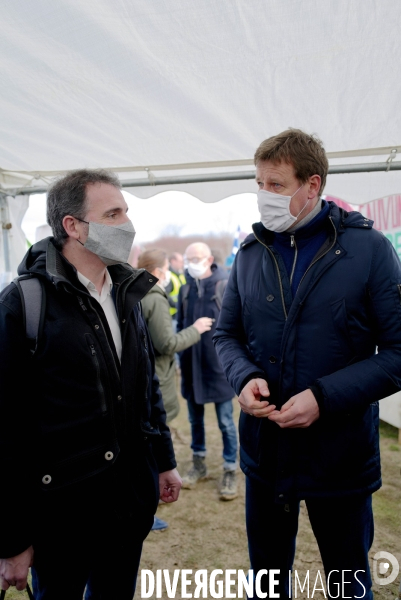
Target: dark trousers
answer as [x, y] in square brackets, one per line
[343, 528]
[99, 554]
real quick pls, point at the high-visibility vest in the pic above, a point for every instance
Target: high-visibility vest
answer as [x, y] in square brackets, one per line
[177, 281]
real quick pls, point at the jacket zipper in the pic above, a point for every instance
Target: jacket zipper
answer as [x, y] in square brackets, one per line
[104, 331]
[293, 244]
[147, 359]
[147, 382]
[321, 255]
[120, 300]
[120, 291]
[399, 290]
[100, 386]
[81, 304]
[295, 258]
[199, 288]
[278, 273]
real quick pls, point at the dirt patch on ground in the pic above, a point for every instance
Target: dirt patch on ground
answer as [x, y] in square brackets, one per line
[205, 533]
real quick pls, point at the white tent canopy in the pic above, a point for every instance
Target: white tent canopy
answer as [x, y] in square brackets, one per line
[171, 88]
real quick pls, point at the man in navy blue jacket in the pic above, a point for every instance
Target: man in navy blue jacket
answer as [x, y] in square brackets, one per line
[202, 378]
[313, 292]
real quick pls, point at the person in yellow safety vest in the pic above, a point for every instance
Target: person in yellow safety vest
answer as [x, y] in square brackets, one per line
[177, 279]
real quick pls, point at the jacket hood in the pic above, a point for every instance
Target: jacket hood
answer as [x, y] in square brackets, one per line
[45, 260]
[34, 260]
[340, 217]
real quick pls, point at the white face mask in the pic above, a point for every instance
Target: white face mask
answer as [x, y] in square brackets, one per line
[275, 210]
[196, 270]
[111, 243]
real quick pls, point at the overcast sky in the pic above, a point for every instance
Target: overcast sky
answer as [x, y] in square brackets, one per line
[176, 213]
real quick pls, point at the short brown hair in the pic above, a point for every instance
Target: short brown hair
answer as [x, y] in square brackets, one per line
[67, 196]
[152, 259]
[295, 147]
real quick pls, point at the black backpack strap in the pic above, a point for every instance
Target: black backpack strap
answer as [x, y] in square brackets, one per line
[219, 292]
[33, 307]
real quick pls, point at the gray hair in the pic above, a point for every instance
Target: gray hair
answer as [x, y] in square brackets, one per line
[67, 196]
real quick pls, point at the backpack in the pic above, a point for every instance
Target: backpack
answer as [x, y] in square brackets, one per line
[217, 297]
[33, 302]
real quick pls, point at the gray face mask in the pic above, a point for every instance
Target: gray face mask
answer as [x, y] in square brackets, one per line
[111, 243]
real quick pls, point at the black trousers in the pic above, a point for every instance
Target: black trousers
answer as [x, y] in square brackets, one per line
[100, 553]
[343, 528]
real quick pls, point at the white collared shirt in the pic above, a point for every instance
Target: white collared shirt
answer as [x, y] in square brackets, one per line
[106, 301]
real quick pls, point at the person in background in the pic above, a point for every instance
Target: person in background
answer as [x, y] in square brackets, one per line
[176, 264]
[155, 309]
[175, 278]
[202, 378]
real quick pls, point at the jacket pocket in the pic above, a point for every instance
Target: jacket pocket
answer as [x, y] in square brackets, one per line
[95, 362]
[349, 446]
[148, 429]
[79, 467]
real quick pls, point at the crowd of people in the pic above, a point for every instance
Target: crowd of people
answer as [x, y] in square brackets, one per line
[305, 332]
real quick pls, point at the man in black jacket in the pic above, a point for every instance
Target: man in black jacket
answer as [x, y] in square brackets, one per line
[312, 293]
[202, 378]
[85, 448]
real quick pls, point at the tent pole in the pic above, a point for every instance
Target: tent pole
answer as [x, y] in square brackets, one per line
[5, 226]
[179, 180]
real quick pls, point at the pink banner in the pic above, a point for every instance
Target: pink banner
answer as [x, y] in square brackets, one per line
[386, 214]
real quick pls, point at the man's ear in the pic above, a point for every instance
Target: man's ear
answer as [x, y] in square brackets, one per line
[314, 186]
[210, 260]
[70, 225]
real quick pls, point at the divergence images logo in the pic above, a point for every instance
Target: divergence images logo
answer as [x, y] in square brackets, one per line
[384, 567]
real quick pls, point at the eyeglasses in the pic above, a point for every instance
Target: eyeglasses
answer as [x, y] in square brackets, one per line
[194, 260]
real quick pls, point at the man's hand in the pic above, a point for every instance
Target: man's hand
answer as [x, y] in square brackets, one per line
[14, 570]
[170, 484]
[251, 398]
[300, 411]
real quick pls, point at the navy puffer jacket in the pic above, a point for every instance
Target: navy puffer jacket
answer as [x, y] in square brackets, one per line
[347, 304]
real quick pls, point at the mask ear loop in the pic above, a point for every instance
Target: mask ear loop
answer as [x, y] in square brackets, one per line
[297, 191]
[302, 209]
[82, 221]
